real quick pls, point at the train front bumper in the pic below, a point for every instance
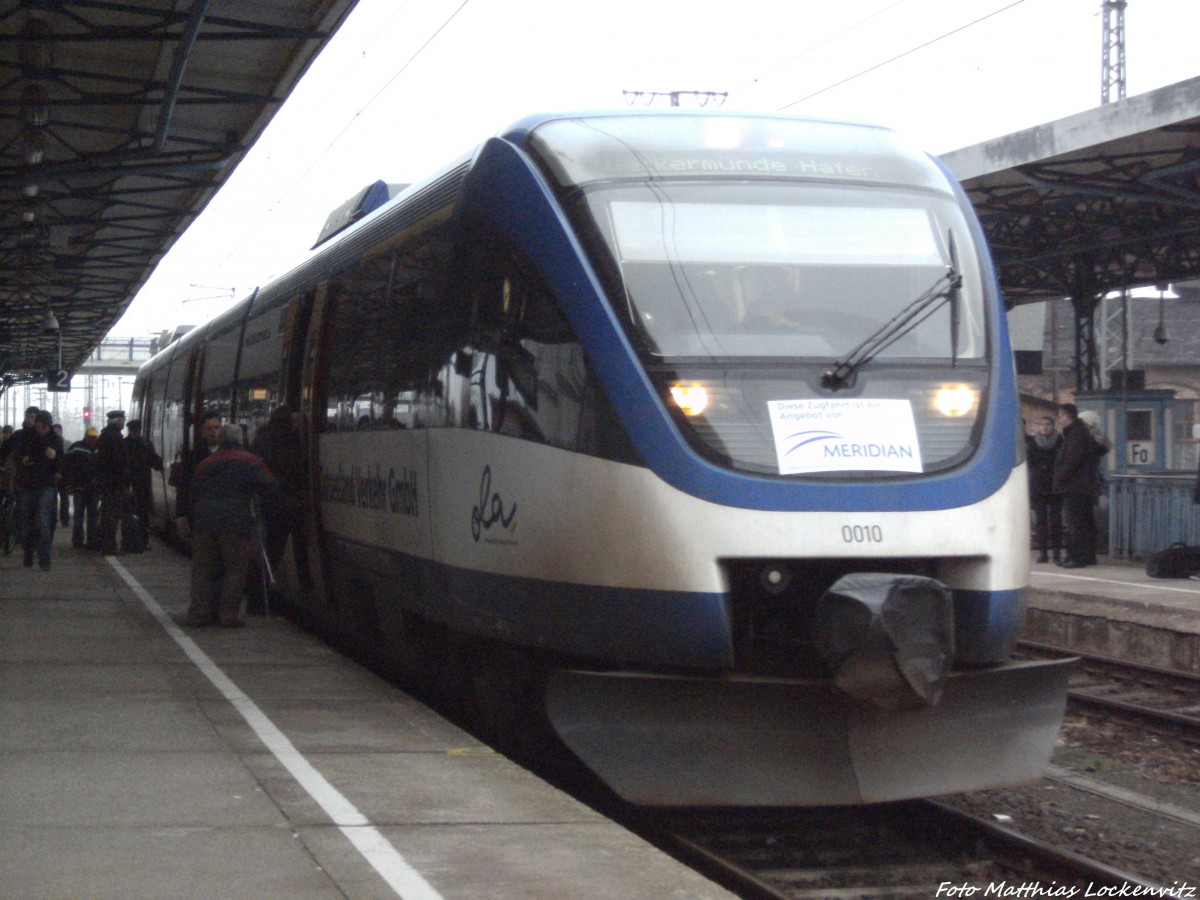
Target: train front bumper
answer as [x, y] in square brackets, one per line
[747, 741]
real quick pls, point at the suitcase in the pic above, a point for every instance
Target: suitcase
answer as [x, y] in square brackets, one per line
[131, 535]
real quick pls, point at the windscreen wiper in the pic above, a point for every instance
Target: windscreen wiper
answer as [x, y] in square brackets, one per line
[945, 289]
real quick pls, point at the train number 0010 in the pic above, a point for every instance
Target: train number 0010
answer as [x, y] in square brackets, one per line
[862, 534]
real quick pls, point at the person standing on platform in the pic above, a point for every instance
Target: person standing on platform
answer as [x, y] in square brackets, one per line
[1075, 474]
[10, 456]
[278, 444]
[112, 467]
[80, 476]
[1196, 489]
[1041, 448]
[207, 442]
[13, 444]
[64, 494]
[143, 459]
[224, 537]
[38, 460]
[5, 437]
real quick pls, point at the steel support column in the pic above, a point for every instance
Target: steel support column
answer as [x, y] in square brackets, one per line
[1086, 362]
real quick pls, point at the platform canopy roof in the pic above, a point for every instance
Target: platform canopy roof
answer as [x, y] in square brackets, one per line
[1096, 202]
[118, 123]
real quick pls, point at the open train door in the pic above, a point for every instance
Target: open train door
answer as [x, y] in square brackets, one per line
[314, 366]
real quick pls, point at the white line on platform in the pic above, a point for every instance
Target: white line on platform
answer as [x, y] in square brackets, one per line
[366, 838]
[1156, 586]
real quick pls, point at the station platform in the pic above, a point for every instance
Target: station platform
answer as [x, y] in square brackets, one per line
[143, 759]
[1115, 609]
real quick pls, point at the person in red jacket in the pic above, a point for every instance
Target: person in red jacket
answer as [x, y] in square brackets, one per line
[223, 528]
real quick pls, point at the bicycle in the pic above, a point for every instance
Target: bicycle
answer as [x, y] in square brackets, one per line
[8, 522]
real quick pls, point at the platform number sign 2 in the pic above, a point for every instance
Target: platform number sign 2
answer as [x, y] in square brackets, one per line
[58, 381]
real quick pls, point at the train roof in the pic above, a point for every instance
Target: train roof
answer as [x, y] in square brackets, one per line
[526, 124]
[439, 189]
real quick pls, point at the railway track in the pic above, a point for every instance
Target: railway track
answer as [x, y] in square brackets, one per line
[911, 849]
[1163, 696]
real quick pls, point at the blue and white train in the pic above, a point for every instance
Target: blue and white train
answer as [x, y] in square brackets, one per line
[709, 420]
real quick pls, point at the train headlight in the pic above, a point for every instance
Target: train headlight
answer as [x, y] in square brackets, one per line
[691, 398]
[955, 400]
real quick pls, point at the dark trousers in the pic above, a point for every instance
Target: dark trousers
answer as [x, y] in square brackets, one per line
[279, 524]
[87, 512]
[1081, 528]
[1047, 523]
[37, 509]
[219, 562]
[143, 505]
[114, 513]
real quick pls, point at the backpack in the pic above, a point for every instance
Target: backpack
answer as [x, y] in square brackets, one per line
[1177, 561]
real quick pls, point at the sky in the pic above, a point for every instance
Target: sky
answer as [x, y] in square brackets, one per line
[407, 86]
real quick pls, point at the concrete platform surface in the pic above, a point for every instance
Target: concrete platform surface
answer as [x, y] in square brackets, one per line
[1115, 609]
[142, 759]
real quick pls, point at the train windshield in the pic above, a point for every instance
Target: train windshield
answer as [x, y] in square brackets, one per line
[789, 269]
[773, 271]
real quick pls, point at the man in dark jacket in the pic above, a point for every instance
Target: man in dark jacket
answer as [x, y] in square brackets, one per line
[1075, 476]
[1041, 448]
[207, 441]
[26, 429]
[223, 536]
[38, 459]
[278, 444]
[143, 459]
[112, 468]
[81, 477]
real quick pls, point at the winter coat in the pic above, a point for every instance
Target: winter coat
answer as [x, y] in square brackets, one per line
[34, 470]
[1076, 467]
[222, 488]
[143, 459]
[279, 447]
[1041, 465]
[183, 490]
[112, 464]
[80, 468]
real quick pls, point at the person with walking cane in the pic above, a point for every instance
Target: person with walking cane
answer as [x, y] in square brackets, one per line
[223, 529]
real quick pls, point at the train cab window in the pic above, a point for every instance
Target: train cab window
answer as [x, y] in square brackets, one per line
[529, 376]
[392, 341]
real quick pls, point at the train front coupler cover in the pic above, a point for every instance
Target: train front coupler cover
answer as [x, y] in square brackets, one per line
[888, 639]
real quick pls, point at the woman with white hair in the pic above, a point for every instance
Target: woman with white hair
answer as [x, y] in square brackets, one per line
[223, 528]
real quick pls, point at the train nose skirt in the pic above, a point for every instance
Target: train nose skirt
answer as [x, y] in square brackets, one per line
[743, 741]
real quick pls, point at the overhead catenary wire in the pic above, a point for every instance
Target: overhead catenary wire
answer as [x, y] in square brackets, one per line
[899, 56]
[817, 46]
[337, 137]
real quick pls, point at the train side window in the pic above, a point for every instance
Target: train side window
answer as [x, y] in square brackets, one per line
[175, 406]
[259, 373]
[156, 401]
[220, 360]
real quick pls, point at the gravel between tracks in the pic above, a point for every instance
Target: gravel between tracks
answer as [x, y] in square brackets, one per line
[1165, 769]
